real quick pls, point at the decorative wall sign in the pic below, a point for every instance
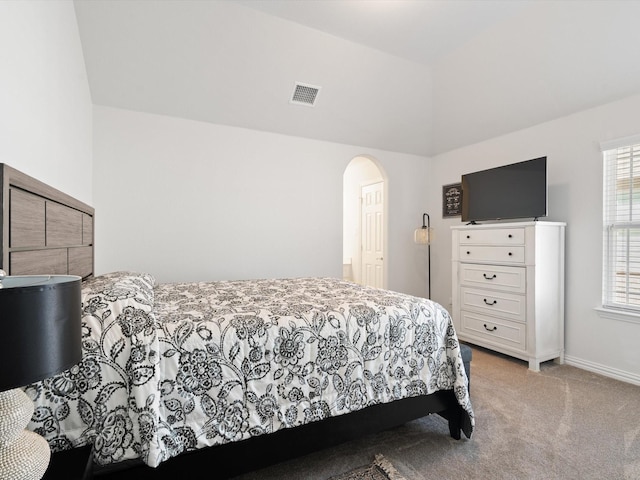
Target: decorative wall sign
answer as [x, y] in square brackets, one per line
[452, 200]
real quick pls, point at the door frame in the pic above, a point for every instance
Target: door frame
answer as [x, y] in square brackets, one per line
[359, 176]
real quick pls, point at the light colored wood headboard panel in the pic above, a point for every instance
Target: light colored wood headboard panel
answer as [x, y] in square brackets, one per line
[43, 230]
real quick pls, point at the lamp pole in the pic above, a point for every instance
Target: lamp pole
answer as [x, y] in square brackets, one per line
[428, 227]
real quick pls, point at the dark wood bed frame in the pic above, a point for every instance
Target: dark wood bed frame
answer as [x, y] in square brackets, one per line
[45, 231]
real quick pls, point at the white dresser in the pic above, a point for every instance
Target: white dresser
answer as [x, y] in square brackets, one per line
[508, 288]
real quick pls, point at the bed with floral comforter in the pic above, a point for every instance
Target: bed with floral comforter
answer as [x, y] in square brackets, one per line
[171, 368]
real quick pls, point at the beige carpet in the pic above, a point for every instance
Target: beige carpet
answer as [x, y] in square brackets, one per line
[561, 423]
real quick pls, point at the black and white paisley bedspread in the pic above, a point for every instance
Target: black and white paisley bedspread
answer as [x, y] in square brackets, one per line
[174, 367]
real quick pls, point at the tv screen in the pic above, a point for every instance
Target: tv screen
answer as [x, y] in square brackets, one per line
[518, 190]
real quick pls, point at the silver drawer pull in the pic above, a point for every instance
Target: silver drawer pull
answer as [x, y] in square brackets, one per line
[489, 278]
[490, 329]
[490, 303]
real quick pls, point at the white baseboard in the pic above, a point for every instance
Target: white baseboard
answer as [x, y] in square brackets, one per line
[603, 370]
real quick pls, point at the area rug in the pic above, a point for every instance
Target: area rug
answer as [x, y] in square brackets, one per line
[380, 469]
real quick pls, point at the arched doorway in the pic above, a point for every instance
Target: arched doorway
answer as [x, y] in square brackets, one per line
[365, 222]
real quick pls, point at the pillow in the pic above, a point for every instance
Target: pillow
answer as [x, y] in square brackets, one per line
[117, 296]
[142, 282]
[110, 393]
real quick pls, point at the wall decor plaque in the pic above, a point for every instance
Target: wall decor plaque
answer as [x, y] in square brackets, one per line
[452, 200]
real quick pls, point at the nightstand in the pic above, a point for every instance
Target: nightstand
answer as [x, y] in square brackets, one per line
[74, 464]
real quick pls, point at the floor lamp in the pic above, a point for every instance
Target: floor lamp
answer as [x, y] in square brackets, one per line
[422, 236]
[40, 336]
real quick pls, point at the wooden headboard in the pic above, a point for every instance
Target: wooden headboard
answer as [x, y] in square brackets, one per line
[44, 231]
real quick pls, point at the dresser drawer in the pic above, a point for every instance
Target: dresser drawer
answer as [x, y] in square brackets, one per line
[493, 236]
[495, 330]
[512, 279]
[504, 304]
[482, 253]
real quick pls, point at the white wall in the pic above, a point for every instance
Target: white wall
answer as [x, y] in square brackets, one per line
[551, 59]
[189, 201]
[571, 145]
[45, 103]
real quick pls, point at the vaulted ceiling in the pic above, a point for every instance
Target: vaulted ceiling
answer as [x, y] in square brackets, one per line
[413, 76]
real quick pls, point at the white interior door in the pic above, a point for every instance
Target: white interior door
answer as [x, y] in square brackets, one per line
[373, 235]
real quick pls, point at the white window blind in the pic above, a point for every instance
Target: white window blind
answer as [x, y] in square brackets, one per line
[621, 282]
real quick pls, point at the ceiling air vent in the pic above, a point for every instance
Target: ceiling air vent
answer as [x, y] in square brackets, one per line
[305, 94]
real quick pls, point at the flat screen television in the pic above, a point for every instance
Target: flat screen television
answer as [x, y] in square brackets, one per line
[514, 191]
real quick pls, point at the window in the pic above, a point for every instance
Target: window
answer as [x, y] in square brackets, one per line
[621, 269]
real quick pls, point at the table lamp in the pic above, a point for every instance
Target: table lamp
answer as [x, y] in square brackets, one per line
[40, 336]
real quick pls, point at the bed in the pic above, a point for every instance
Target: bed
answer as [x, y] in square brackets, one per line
[175, 375]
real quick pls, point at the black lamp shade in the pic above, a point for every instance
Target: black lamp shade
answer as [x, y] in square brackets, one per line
[40, 329]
